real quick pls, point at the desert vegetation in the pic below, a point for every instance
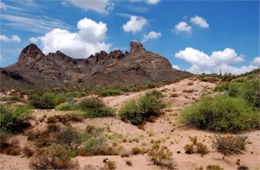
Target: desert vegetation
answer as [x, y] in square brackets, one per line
[203, 117]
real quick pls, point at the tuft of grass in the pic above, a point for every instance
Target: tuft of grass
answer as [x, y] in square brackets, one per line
[161, 156]
[229, 144]
[221, 113]
[136, 151]
[195, 147]
[143, 109]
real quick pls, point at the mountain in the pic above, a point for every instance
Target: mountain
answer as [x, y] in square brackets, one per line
[115, 69]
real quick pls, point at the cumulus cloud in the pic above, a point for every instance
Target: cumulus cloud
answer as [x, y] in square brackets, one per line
[199, 21]
[200, 58]
[88, 40]
[176, 67]
[33, 40]
[101, 6]
[151, 35]
[218, 60]
[135, 24]
[256, 61]
[182, 27]
[13, 38]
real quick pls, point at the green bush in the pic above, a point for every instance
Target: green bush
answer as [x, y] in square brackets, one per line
[94, 107]
[70, 105]
[221, 113]
[229, 144]
[46, 101]
[110, 92]
[12, 117]
[141, 110]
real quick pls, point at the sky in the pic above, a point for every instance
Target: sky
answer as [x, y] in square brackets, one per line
[206, 36]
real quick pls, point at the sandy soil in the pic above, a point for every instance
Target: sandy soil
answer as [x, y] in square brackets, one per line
[165, 129]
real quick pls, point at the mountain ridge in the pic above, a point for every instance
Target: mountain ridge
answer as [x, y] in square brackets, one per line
[115, 69]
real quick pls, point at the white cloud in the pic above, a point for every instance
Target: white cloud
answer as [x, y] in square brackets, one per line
[200, 58]
[88, 40]
[182, 27]
[39, 24]
[101, 6]
[234, 70]
[3, 6]
[176, 67]
[218, 60]
[152, 2]
[256, 61]
[13, 38]
[199, 21]
[33, 40]
[151, 35]
[194, 69]
[135, 24]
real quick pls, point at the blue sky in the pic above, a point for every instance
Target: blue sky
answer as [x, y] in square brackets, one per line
[198, 36]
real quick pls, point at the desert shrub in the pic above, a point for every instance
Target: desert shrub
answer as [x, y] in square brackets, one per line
[12, 117]
[64, 119]
[72, 94]
[63, 107]
[136, 151]
[174, 95]
[110, 165]
[222, 87]
[46, 101]
[221, 113]
[248, 90]
[195, 147]
[10, 147]
[53, 157]
[141, 110]
[188, 91]
[69, 138]
[27, 151]
[161, 156]
[95, 146]
[229, 144]
[214, 167]
[190, 83]
[251, 92]
[128, 162]
[94, 107]
[110, 92]
[243, 167]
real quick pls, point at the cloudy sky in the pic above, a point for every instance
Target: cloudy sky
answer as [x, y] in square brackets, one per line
[197, 36]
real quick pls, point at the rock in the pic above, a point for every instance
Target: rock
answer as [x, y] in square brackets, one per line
[136, 48]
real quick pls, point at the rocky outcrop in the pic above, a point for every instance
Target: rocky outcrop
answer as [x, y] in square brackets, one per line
[136, 48]
[137, 68]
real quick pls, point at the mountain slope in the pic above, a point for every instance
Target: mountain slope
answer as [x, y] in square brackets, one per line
[114, 69]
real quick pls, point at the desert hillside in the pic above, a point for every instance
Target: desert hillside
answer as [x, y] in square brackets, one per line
[104, 130]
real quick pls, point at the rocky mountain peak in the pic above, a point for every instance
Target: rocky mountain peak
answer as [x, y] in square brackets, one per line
[136, 48]
[30, 54]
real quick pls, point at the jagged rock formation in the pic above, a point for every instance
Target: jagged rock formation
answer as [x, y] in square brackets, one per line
[139, 67]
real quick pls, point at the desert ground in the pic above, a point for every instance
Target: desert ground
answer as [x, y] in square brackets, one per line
[165, 130]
